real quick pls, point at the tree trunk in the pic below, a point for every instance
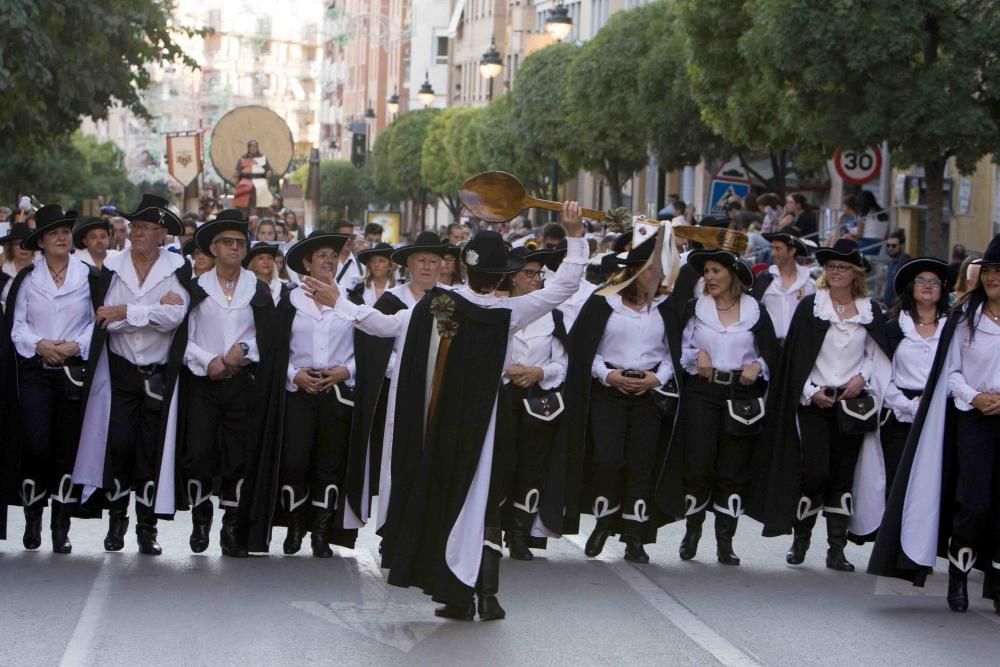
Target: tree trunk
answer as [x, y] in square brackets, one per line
[933, 242]
[614, 186]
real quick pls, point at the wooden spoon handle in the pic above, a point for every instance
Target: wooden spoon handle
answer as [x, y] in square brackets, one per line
[557, 207]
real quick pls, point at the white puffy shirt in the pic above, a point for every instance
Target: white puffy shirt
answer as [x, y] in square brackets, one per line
[215, 325]
[321, 338]
[536, 346]
[780, 302]
[730, 347]
[979, 369]
[911, 366]
[144, 336]
[842, 355]
[633, 340]
[46, 312]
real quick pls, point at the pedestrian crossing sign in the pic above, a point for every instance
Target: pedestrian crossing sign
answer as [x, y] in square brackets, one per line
[722, 189]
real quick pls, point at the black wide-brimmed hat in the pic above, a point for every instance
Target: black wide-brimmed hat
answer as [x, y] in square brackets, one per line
[307, 246]
[189, 248]
[907, 272]
[802, 248]
[698, 258]
[18, 232]
[992, 255]
[260, 248]
[158, 211]
[541, 255]
[228, 220]
[487, 253]
[425, 242]
[634, 257]
[48, 217]
[378, 250]
[84, 225]
[553, 261]
[845, 250]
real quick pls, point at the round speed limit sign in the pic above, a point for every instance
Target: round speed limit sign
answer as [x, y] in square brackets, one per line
[858, 167]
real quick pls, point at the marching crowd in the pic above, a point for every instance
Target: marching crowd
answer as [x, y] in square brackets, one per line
[490, 395]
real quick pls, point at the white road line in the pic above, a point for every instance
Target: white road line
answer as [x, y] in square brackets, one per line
[78, 651]
[674, 611]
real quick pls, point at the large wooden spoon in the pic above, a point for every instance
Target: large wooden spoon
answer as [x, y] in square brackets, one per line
[496, 196]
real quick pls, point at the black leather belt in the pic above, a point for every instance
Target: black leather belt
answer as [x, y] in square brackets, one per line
[721, 377]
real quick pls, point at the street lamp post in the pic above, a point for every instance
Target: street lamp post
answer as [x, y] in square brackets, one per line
[369, 121]
[559, 24]
[426, 92]
[392, 104]
[490, 65]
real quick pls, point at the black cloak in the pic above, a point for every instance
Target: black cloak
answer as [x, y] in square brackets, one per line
[568, 491]
[442, 455]
[776, 476]
[933, 427]
[670, 485]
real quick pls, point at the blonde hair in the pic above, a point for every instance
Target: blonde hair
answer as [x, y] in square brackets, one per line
[859, 287]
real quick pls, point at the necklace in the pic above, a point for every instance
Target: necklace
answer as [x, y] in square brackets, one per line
[993, 316]
[841, 307]
[58, 276]
[229, 287]
[142, 275]
[721, 309]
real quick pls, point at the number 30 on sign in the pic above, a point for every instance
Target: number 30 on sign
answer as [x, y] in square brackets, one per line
[858, 167]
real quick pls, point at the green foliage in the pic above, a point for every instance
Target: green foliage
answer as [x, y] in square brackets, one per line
[344, 190]
[69, 171]
[64, 59]
[599, 95]
[397, 153]
[443, 158]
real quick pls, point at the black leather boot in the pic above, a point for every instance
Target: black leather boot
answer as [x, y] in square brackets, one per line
[634, 551]
[145, 530]
[322, 519]
[836, 537]
[117, 524]
[800, 543]
[517, 536]
[201, 526]
[692, 535]
[228, 536]
[488, 585]
[457, 612]
[33, 525]
[61, 514]
[725, 529]
[958, 594]
[604, 529]
[296, 531]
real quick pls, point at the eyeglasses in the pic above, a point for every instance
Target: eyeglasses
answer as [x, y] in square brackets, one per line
[838, 268]
[136, 228]
[231, 242]
[531, 274]
[928, 282]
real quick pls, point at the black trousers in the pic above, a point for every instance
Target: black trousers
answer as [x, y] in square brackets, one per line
[533, 440]
[977, 489]
[716, 464]
[134, 426]
[626, 431]
[893, 444]
[51, 427]
[828, 460]
[217, 431]
[314, 449]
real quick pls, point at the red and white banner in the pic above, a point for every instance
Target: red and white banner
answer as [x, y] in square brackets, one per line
[184, 156]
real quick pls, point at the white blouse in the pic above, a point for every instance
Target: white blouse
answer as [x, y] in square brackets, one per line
[144, 336]
[780, 302]
[979, 369]
[843, 353]
[321, 338]
[215, 325]
[911, 366]
[633, 340]
[730, 347]
[536, 346]
[46, 312]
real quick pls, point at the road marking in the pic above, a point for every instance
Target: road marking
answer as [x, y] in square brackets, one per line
[674, 611]
[81, 643]
[399, 625]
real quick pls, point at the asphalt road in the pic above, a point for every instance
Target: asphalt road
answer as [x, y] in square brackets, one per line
[96, 608]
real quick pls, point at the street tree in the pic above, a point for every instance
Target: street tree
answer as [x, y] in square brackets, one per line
[599, 95]
[442, 162]
[61, 60]
[397, 154]
[922, 76]
[737, 95]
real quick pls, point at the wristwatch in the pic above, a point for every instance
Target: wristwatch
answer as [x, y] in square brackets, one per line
[243, 346]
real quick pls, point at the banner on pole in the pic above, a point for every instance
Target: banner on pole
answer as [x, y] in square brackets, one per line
[184, 156]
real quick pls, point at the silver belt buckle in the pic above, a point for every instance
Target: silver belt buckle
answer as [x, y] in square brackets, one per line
[717, 376]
